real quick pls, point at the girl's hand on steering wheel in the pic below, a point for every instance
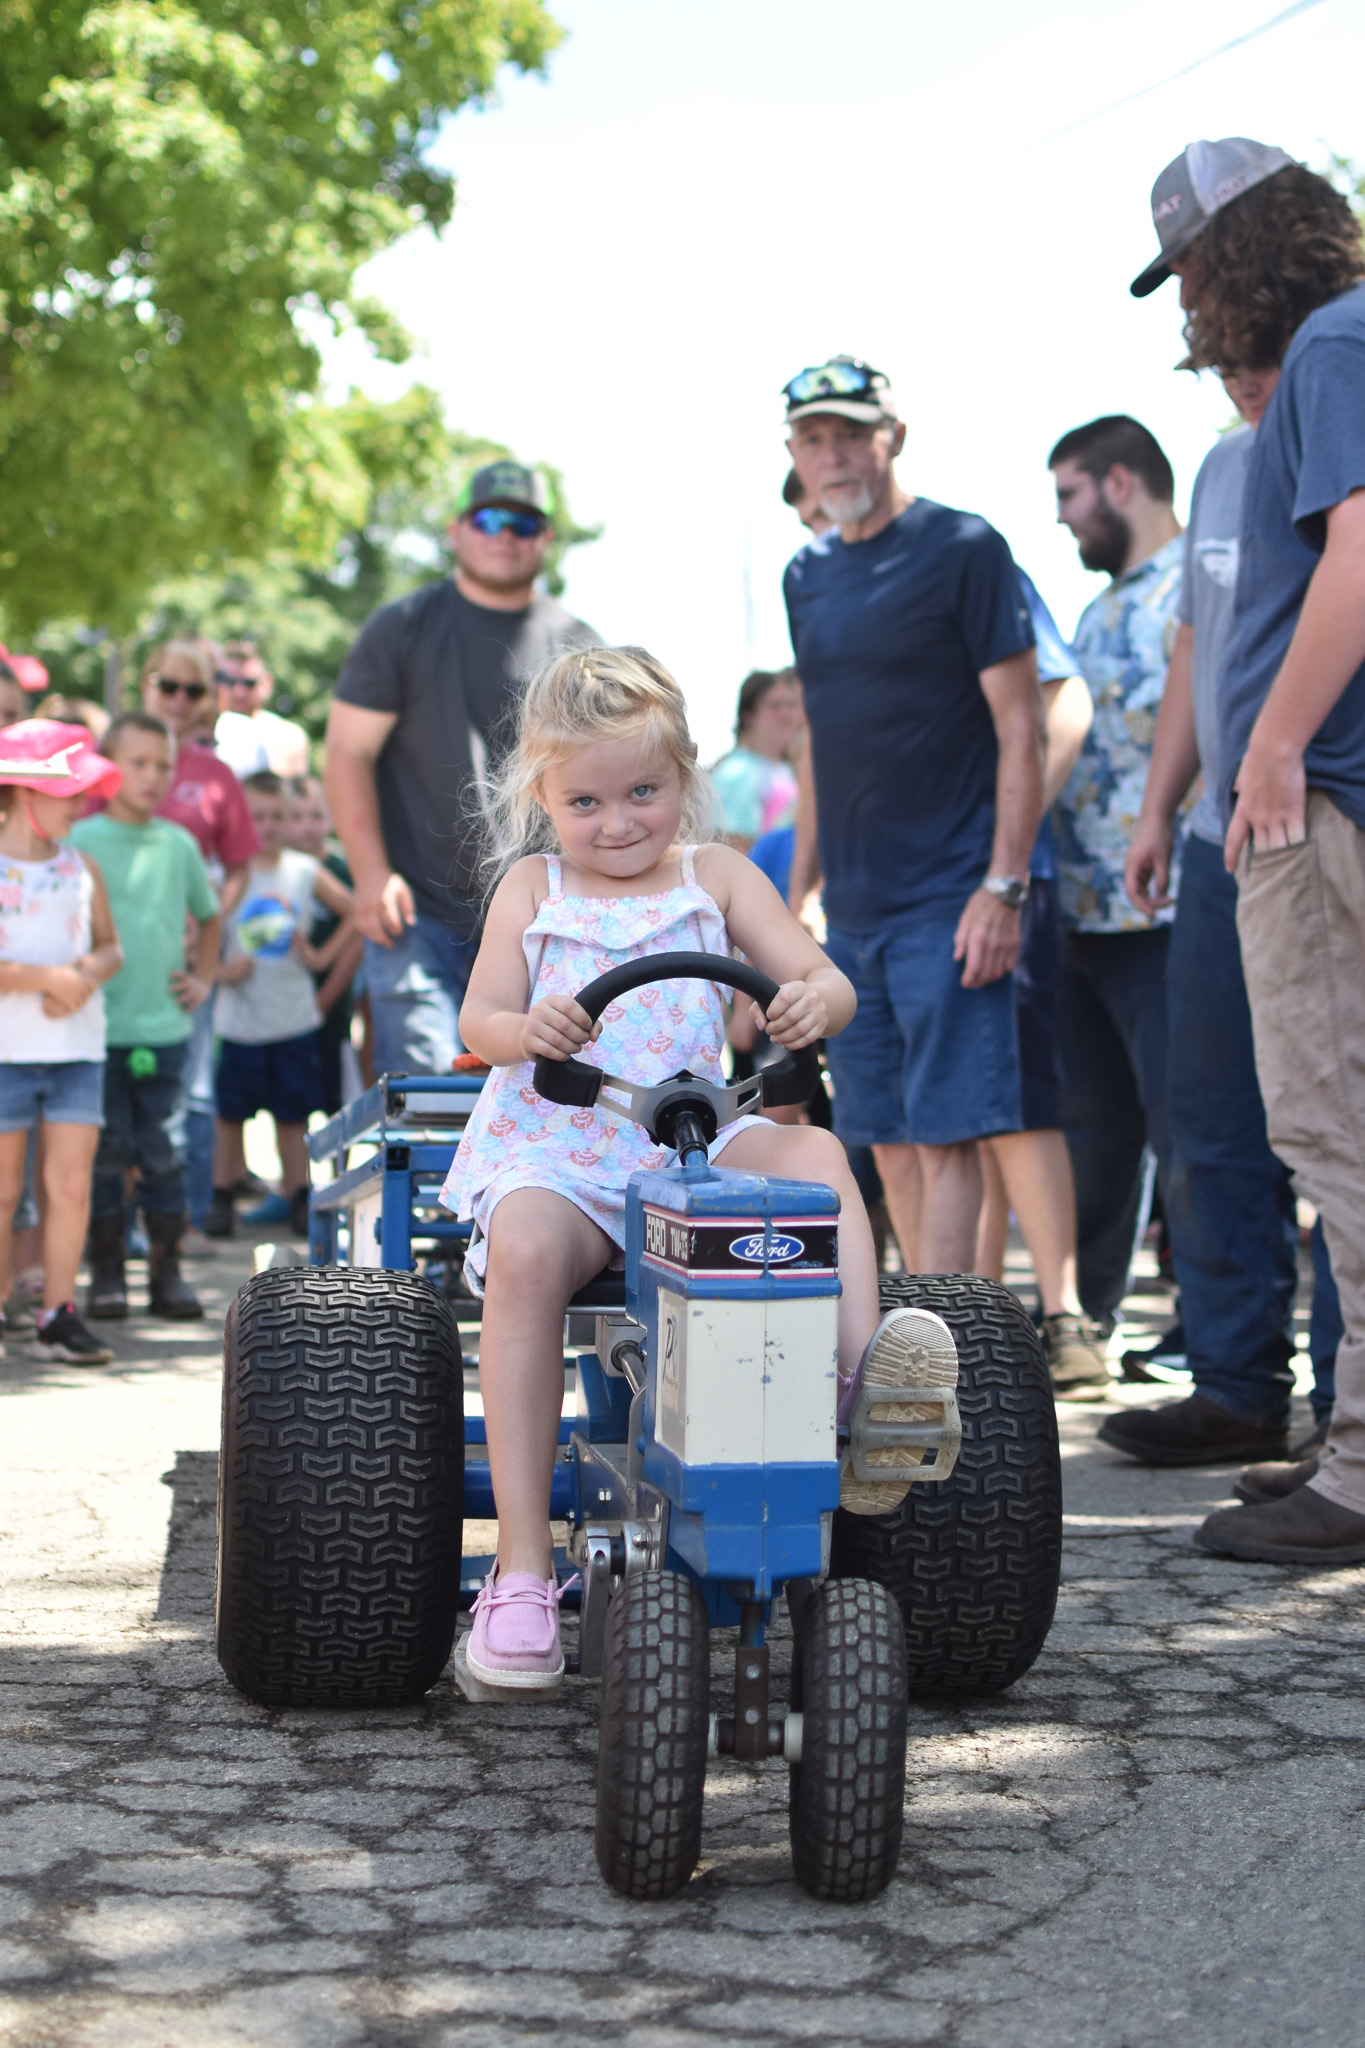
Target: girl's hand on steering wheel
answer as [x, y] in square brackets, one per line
[556, 1029]
[797, 1015]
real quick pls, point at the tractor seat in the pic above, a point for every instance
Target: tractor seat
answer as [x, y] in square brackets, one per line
[606, 1290]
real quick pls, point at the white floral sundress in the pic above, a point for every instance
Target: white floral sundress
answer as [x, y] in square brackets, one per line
[515, 1139]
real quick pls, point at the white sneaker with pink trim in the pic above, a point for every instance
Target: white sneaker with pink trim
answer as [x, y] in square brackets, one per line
[513, 1649]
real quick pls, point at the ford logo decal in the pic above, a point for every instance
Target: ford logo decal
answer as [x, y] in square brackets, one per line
[757, 1250]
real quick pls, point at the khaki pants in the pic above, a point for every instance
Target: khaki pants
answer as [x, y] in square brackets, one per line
[1301, 921]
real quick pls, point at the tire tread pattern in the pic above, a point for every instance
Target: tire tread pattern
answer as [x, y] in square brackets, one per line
[847, 1794]
[341, 1483]
[651, 1766]
[973, 1561]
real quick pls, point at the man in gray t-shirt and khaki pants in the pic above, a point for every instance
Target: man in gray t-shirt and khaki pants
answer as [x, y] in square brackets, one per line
[1272, 271]
[425, 698]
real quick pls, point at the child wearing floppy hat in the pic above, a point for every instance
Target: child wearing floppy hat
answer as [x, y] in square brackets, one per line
[58, 947]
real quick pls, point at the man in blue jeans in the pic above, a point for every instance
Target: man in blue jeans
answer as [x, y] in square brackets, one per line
[1115, 492]
[421, 708]
[917, 657]
[1230, 1201]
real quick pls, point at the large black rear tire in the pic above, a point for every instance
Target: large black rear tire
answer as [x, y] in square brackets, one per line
[341, 1488]
[974, 1560]
[847, 1795]
[651, 1759]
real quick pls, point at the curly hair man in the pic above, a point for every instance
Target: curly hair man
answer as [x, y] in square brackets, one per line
[1271, 264]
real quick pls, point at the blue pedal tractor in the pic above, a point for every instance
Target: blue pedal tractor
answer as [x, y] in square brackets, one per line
[698, 1476]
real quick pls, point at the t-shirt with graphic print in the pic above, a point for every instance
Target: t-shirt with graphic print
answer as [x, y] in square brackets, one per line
[277, 999]
[1207, 588]
[1123, 647]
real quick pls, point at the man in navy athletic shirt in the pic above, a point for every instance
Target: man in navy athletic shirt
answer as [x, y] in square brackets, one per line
[917, 657]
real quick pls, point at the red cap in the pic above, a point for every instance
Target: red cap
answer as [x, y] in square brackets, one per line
[29, 672]
[57, 759]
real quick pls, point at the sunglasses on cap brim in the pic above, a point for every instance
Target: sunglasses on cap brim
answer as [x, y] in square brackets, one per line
[833, 380]
[495, 519]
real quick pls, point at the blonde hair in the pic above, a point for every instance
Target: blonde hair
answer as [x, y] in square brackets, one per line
[202, 654]
[594, 693]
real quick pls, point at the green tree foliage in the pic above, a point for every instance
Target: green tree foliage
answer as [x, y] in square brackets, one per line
[304, 614]
[186, 194]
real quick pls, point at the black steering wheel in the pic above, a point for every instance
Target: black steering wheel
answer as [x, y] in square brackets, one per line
[793, 1078]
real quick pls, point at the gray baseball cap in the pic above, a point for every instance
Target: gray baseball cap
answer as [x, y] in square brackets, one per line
[506, 483]
[1203, 178]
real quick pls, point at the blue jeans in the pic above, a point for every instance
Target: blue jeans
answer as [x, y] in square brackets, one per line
[1229, 1200]
[199, 1108]
[416, 986]
[1111, 1017]
[1325, 1328]
[144, 1126]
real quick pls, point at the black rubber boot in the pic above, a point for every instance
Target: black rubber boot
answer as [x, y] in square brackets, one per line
[107, 1299]
[170, 1296]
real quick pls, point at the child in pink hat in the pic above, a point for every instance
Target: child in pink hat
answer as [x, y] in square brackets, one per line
[58, 947]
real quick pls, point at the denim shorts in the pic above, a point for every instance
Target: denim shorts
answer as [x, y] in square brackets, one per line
[925, 1060]
[1036, 984]
[282, 1077]
[58, 1091]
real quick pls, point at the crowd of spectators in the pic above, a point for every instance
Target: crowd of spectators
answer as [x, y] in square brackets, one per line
[1102, 901]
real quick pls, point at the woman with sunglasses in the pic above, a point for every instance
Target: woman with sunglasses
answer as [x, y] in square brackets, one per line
[180, 687]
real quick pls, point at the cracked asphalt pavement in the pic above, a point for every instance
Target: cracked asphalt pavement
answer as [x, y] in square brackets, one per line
[1155, 1837]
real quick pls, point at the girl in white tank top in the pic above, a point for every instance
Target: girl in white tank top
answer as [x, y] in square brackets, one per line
[58, 947]
[603, 791]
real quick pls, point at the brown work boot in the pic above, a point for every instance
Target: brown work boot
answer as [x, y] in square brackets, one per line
[1075, 1358]
[1274, 1481]
[1195, 1431]
[1303, 1528]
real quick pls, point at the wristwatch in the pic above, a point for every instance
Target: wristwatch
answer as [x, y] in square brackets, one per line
[1011, 890]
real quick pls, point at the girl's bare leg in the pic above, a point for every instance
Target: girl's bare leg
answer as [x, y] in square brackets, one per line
[13, 1148]
[541, 1250]
[68, 1161]
[807, 1153]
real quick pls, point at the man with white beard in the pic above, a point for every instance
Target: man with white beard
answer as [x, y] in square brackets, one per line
[916, 654]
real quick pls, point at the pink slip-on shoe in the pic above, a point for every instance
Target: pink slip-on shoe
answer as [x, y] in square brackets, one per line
[513, 1649]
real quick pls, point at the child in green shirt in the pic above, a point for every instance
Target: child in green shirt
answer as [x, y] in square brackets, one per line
[156, 880]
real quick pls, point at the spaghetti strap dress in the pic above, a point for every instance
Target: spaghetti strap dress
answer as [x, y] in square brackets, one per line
[515, 1138]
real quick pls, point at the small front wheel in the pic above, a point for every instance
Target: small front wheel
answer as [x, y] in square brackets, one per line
[651, 1763]
[847, 1794]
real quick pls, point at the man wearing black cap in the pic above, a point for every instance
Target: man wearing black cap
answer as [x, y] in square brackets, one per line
[422, 701]
[1271, 265]
[917, 657]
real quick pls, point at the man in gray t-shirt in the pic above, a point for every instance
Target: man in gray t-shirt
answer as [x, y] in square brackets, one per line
[1230, 1200]
[425, 699]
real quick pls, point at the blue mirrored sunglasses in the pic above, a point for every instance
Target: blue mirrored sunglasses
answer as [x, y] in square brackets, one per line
[842, 378]
[494, 519]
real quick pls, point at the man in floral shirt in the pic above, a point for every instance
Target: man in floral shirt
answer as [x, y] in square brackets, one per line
[1115, 492]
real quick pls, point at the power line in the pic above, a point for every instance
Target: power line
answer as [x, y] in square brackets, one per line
[1249, 36]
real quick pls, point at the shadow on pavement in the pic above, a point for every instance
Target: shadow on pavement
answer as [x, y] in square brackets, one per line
[187, 1573]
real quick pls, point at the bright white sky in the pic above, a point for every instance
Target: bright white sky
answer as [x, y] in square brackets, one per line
[701, 199]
